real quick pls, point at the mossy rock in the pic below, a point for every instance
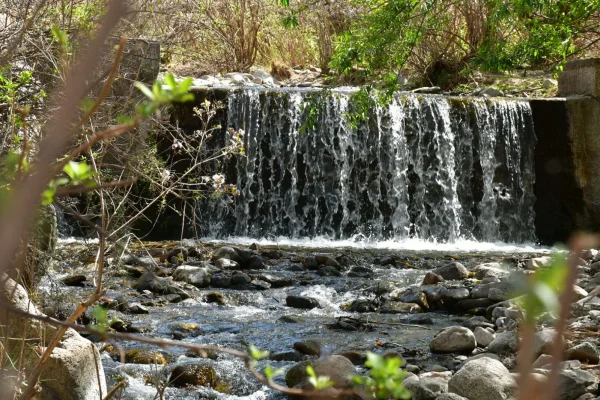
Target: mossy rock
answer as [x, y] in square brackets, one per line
[194, 375]
[140, 356]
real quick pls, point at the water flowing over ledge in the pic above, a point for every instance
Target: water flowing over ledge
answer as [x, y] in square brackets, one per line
[423, 169]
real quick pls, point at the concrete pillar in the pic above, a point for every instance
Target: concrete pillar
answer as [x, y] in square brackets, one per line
[580, 84]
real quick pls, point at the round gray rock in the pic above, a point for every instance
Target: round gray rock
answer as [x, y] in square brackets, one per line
[453, 339]
[483, 378]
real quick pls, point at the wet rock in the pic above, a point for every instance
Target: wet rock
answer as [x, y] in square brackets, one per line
[276, 282]
[418, 319]
[195, 353]
[308, 347]
[193, 375]
[240, 279]
[291, 319]
[453, 339]
[411, 296]
[186, 328]
[220, 281]
[259, 285]
[361, 306]
[355, 358]
[310, 263]
[452, 271]
[427, 387]
[585, 352]
[484, 336]
[361, 272]
[385, 261]
[428, 90]
[301, 302]
[339, 370]
[240, 256]
[137, 308]
[432, 278]
[173, 298]
[215, 297]
[327, 260]
[483, 378]
[272, 254]
[141, 356]
[151, 282]
[574, 383]
[328, 271]
[504, 343]
[74, 280]
[256, 262]
[292, 355]
[351, 325]
[433, 294]
[479, 305]
[226, 264]
[454, 295]
[398, 307]
[197, 276]
[177, 255]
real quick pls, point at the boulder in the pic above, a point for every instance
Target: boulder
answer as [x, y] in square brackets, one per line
[504, 343]
[308, 347]
[454, 295]
[73, 371]
[432, 278]
[452, 272]
[220, 281]
[427, 387]
[490, 270]
[151, 282]
[292, 355]
[301, 302]
[483, 378]
[240, 256]
[484, 336]
[574, 383]
[197, 276]
[584, 352]
[453, 339]
[226, 264]
[338, 368]
[193, 375]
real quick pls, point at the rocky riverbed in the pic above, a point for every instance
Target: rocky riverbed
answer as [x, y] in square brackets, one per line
[448, 315]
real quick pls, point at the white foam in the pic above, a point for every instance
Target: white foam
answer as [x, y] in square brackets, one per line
[459, 246]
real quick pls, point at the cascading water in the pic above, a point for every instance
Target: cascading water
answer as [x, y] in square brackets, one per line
[427, 167]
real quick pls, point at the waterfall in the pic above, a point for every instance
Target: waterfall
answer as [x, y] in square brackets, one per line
[429, 167]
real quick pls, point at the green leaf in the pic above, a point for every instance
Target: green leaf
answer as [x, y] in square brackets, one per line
[256, 354]
[145, 90]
